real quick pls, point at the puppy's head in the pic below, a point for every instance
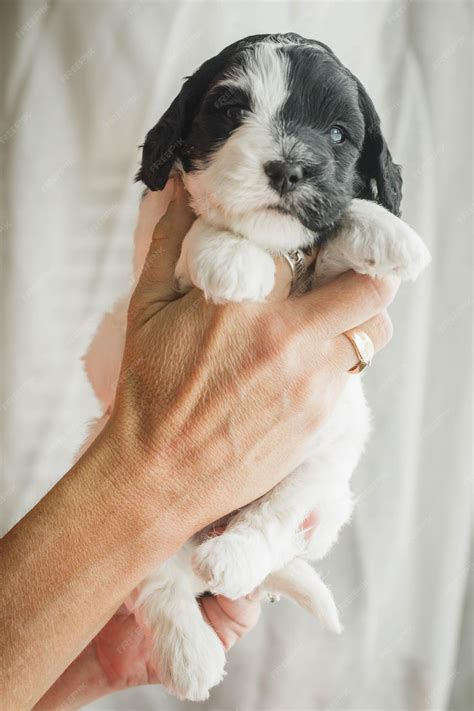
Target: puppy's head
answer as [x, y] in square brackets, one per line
[274, 122]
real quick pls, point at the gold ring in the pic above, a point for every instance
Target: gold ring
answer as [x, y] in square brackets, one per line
[364, 348]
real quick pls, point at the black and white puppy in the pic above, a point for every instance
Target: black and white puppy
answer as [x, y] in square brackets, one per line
[280, 147]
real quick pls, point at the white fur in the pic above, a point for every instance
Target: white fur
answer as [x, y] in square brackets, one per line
[189, 655]
[262, 545]
[263, 74]
[226, 266]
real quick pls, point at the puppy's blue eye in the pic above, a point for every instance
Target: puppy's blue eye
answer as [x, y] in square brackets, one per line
[337, 135]
[235, 112]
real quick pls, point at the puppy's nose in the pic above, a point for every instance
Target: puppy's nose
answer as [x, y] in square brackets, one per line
[283, 176]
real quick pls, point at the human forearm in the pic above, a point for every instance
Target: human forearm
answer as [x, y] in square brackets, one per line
[89, 540]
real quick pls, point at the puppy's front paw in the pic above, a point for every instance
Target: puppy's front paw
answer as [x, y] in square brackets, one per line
[189, 661]
[233, 269]
[398, 249]
[373, 241]
[232, 564]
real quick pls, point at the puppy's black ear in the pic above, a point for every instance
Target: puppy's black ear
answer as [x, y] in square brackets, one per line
[382, 179]
[165, 141]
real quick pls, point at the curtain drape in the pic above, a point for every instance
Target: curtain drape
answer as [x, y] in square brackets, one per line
[82, 83]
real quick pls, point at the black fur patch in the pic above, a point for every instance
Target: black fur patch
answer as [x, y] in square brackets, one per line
[322, 94]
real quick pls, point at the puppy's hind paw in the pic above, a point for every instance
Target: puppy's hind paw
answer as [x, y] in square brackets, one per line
[189, 662]
[231, 564]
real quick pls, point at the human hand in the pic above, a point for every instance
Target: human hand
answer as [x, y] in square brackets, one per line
[209, 395]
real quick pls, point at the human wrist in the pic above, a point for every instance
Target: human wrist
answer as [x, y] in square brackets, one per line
[149, 485]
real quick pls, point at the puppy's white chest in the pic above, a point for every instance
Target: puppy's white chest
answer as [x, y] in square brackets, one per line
[274, 231]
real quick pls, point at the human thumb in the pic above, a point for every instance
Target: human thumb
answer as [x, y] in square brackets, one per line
[157, 281]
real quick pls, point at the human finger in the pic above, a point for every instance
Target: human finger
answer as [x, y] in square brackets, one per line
[165, 247]
[346, 302]
[230, 619]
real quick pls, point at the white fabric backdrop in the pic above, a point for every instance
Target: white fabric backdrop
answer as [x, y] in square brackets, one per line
[82, 82]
